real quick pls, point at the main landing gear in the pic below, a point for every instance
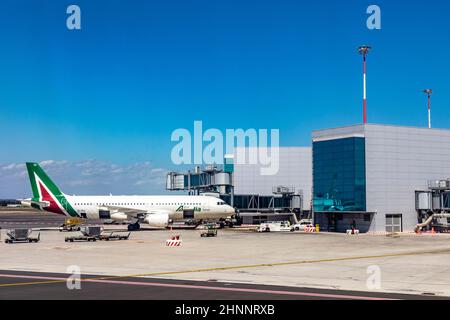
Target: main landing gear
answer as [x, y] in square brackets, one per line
[134, 226]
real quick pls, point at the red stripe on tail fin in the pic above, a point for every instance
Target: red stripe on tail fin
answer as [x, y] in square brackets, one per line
[45, 195]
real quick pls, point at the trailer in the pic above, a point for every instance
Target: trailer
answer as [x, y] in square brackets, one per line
[96, 233]
[21, 235]
[114, 236]
[88, 233]
[81, 238]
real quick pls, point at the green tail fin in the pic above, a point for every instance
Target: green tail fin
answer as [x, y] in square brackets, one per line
[34, 169]
[44, 189]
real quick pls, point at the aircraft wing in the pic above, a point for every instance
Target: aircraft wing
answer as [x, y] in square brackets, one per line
[130, 212]
[158, 211]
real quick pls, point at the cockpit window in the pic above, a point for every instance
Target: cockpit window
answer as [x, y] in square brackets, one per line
[221, 203]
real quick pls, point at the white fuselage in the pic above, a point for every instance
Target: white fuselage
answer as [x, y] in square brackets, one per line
[177, 207]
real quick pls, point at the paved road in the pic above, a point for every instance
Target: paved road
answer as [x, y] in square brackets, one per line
[34, 285]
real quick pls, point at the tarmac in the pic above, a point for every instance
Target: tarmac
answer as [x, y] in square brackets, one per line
[33, 285]
[316, 266]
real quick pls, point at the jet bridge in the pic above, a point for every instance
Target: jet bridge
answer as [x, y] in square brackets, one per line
[433, 206]
[210, 179]
[217, 180]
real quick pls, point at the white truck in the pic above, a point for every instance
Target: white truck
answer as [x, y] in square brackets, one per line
[275, 226]
[301, 226]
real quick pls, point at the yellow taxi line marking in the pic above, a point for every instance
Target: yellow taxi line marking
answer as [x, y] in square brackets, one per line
[276, 264]
[29, 283]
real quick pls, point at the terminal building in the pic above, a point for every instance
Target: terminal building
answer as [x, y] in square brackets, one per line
[376, 178]
[368, 175]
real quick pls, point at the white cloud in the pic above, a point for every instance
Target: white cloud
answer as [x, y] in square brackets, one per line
[13, 166]
[86, 178]
[46, 163]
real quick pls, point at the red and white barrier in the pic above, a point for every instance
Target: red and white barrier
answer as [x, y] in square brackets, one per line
[310, 229]
[173, 242]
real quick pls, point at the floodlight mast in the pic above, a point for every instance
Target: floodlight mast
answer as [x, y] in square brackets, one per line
[364, 50]
[428, 92]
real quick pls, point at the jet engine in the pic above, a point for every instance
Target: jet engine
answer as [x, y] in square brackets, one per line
[104, 213]
[159, 220]
[119, 216]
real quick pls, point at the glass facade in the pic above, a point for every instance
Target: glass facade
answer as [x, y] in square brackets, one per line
[339, 175]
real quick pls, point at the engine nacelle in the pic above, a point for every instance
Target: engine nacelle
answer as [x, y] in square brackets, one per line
[159, 220]
[105, 214]
[119, 216]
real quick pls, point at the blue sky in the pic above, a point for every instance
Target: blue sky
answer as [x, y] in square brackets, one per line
[115, 90]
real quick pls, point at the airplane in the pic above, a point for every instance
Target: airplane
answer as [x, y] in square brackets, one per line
[156, 211]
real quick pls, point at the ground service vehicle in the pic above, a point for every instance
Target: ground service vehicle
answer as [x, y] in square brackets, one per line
[72, 224]
[209, 231]
[302, 225]
[275, 226]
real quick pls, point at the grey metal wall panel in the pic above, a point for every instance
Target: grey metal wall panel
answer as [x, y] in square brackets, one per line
[400, 160]
[295, 170]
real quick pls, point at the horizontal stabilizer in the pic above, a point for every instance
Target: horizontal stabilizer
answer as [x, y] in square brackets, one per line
[31, 203]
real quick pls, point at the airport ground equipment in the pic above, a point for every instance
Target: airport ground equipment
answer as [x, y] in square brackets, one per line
[232, 221]
[209, 231]
[21, 235]
[72, 224]
[134, 226]
[302, 225]
[89, 233]
[114, 236]
[187, 225]
[275, 226]
[174, 241]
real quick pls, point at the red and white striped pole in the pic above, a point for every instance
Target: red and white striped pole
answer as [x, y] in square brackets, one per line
[364, 50]
[429, 92]
[365, 91]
